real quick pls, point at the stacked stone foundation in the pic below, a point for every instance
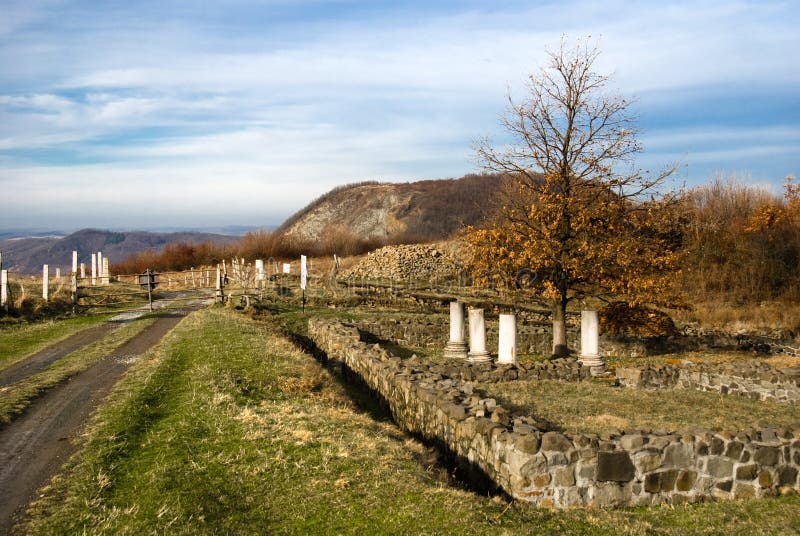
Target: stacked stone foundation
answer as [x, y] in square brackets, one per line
[755, 381]
[549, 468]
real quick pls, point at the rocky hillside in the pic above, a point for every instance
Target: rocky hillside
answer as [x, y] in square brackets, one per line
[425, 210]
[27, 255]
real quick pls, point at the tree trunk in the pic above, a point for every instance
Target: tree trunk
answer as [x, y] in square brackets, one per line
[560, 348]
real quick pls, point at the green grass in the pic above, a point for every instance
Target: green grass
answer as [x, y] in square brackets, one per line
[595, 406]
[224, 427]
[16, 397]
[21, 340]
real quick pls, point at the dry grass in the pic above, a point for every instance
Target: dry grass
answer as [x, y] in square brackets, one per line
[777, 361]
[591, 407]
[732, 317]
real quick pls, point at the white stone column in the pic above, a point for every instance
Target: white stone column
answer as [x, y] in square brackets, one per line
[74, 262]
[83, 270]
[590, 343]
[4, 289]
[105, 270]
[45, 282]
[477, 337]
[58, 274]
[94, 268]
[507, 340]
[456, 347]
[100, 265]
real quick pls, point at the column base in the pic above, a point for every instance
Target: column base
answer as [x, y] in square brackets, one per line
[595, 363]
[456, 350]
[479, 357]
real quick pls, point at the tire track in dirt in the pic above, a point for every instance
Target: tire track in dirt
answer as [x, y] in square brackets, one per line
[44, 358]
[35, 445]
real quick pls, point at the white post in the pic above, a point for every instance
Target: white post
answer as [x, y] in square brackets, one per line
[45, 282]
[58, 274]
[590, 343]
[456, 347]
[477, 337]
[74, 262]
[4, 289]
[303, 272]
[218, 291]
[105, 270]
[83, 270]
[260, 270]
[100, 265]
[287, 268]
[94, 268]
[507, 342]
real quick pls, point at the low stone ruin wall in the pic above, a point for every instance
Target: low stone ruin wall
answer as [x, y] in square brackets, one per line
[548, 468]
[758, 381]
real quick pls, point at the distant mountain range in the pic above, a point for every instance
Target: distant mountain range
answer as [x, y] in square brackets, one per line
[28, 254]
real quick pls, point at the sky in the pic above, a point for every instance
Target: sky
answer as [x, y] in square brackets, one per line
[121, 114]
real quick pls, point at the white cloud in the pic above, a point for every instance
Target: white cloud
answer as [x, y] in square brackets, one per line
[181, 100]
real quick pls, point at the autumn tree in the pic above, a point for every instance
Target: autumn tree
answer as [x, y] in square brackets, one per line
[577, 221]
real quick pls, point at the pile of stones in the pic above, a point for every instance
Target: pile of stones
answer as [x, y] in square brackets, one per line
[412, 261]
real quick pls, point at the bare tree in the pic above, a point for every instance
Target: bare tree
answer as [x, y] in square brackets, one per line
[572, 215]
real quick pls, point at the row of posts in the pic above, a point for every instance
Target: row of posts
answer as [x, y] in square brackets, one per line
[99, 271]
[507, 338]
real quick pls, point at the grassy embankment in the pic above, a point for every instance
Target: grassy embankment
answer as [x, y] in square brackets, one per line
[16, 397]
[226, 428]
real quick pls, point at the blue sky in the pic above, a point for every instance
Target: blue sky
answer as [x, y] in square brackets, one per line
[175, 113]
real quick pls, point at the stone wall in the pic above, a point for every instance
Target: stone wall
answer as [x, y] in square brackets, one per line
[758, 381]
[548, 468]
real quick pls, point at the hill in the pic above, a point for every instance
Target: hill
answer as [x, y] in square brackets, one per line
[387, 212]
[27, 255]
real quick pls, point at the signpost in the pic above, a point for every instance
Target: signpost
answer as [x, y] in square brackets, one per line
[148, 279]
[303, 279]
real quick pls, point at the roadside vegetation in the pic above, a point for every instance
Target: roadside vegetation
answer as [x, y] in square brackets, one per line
[20, 340]
[16, 397]
[226, 427]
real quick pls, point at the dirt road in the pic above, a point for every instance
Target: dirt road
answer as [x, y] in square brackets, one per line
[35, 444]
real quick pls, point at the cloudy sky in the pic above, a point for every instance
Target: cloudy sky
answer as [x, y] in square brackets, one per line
[175, 113]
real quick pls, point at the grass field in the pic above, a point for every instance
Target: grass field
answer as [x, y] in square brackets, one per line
[225, 427]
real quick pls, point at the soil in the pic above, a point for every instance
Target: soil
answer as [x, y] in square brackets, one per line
[34, 446]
